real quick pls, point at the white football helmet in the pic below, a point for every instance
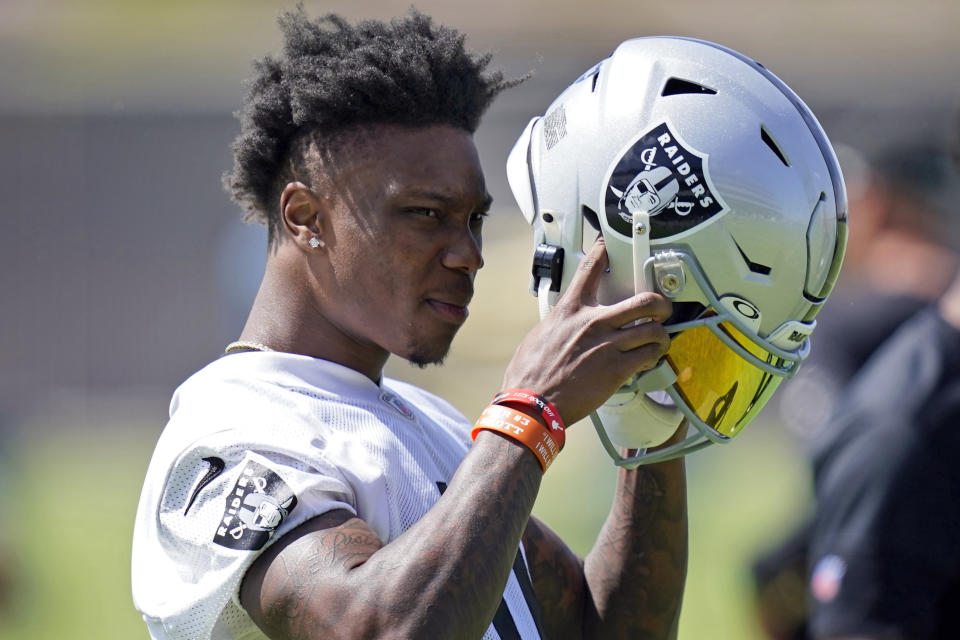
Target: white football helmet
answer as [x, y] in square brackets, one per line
[714, 185]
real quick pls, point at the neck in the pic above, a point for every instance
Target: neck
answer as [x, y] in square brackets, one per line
[287, 315]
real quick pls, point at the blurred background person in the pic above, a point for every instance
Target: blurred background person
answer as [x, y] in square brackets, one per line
[883, 554]
[884, 563]
[900, 258]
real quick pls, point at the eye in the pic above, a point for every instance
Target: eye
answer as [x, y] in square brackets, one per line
[426, 212]
[477, 218]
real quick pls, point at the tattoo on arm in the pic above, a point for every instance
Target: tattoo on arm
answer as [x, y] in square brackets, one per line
[557, 575]
[636, 571]
[287, 577]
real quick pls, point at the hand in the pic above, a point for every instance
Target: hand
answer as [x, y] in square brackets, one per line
[583, 351]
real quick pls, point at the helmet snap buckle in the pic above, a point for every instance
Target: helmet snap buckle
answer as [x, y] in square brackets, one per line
[547, 263]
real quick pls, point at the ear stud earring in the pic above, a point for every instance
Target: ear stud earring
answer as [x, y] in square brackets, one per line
[315, 242]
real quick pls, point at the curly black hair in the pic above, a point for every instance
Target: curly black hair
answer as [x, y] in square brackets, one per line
[334, 77]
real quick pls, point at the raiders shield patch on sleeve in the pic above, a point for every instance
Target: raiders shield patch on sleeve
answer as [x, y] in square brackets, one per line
[258, 503]
[660, 175]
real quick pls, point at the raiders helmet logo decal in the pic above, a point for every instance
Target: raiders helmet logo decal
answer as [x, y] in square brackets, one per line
[256, 506]
[661, 176]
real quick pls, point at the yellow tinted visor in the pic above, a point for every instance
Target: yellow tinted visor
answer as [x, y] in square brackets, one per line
[723, 389]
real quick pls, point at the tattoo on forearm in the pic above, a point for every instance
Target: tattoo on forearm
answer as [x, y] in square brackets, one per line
[639, 561]
[557, 575]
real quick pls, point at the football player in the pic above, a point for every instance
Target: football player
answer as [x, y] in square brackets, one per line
[298, 493]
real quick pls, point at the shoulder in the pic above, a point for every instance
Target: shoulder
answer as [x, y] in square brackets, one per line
[203, 520]
[242, 430]
[210, 505]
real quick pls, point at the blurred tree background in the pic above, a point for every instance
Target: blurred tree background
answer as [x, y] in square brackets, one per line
[124, 267]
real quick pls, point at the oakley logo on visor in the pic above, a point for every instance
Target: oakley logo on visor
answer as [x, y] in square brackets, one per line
[743, 309]
[746, 309]
[665, 178]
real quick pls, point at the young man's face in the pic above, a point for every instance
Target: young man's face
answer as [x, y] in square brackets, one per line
[403, 239]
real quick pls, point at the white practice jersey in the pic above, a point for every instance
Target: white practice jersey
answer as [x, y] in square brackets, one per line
[260, 442]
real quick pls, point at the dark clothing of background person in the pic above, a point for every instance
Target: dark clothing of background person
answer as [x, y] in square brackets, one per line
[884, 556]
[901, 256]
[850, 332]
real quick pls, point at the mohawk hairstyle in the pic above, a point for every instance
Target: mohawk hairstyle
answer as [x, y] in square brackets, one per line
[333, 77]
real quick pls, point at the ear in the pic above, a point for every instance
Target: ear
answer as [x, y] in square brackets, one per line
[301, 213]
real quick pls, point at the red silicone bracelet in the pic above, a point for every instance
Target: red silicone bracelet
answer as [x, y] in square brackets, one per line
[547, 411]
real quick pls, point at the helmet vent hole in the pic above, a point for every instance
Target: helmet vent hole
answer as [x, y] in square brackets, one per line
[675, 86]
[770, 142]
[591, 216]
[593, 81]
[754, 267]
[588, 232]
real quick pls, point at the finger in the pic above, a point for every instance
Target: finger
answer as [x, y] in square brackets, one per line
[643, 358]
[642, 335]
[646, 305]
[586, 281]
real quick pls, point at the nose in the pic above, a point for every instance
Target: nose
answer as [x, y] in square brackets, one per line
[465, 252]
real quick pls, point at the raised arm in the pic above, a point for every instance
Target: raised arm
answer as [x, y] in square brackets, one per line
[631, 583]
[445, 576]
[636, 570]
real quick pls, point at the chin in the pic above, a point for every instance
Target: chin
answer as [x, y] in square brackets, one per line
[424, 354]
[425, 357]
[423, 362]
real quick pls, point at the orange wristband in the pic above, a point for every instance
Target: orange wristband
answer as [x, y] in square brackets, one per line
[522, 428]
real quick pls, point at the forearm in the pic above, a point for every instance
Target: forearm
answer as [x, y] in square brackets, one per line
[636, 570]
[466, 545]
[444, 577]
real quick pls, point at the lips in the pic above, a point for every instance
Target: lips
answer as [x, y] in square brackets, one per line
[450, 312]
[451, 302]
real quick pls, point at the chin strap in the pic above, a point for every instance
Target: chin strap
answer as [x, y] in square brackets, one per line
[544, 303]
